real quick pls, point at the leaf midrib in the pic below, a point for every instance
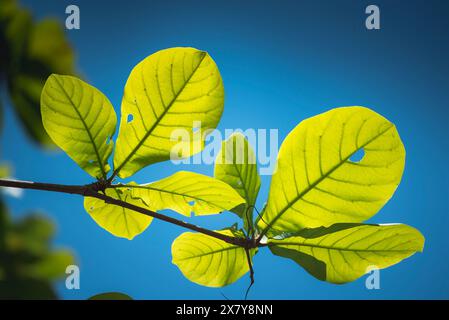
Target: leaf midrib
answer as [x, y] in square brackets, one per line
[171, 192]
[103, 173]
[209, 253]
[150, 131]
[335, 248]
[324, 176]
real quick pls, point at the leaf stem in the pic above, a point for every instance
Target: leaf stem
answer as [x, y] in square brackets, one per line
[251, 271]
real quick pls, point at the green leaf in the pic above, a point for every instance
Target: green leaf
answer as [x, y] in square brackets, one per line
[80, 120]
[186, 192]
[318, 183]
[111, 296]
[236, 165]
[345, 252]
[117, 220]
[167, 91]
[208, 261]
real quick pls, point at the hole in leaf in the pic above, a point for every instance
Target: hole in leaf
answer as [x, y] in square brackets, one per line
[108, 139]
[192, 203]
[195, 129]
[91, 161]
[239, 182]
[130, 118]
[358, 156]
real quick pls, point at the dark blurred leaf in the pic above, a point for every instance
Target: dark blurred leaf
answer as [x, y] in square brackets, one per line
[26, 288]
[4, 222]
[31, 234]
[1, 111]
[15, 24]
[24, 91]
[110, 296]
[7, 7]
[49, 46]
[29, 53]
[51, 266]
[26, 256]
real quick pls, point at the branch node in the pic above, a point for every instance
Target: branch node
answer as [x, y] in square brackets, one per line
[98, 186]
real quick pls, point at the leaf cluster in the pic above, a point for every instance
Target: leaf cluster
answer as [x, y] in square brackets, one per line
[319, 197]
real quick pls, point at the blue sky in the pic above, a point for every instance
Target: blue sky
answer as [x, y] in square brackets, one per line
[281, 62]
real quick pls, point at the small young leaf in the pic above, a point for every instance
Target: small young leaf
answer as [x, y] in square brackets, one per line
[208, 261]
[186, 192]
[236, 165]
[318, 183]
[80, 120]
[344, 252]
[168, 90]
[117, 220]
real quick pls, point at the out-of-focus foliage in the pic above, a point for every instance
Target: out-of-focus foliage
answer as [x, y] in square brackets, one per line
[28, 263]
[4, 170]
[29, 52]
[110, 296]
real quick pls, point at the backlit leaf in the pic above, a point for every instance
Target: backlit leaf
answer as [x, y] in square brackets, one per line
[208, 261]
[186, 192]
[80, 120]
[345, 252]
[318, 183]
[117, 220]
[168, 90]
[236, 165]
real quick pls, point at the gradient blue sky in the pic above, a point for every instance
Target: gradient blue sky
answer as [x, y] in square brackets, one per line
[281, 61]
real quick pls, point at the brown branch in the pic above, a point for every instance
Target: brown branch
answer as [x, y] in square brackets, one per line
[93, 190]
[43, 186]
